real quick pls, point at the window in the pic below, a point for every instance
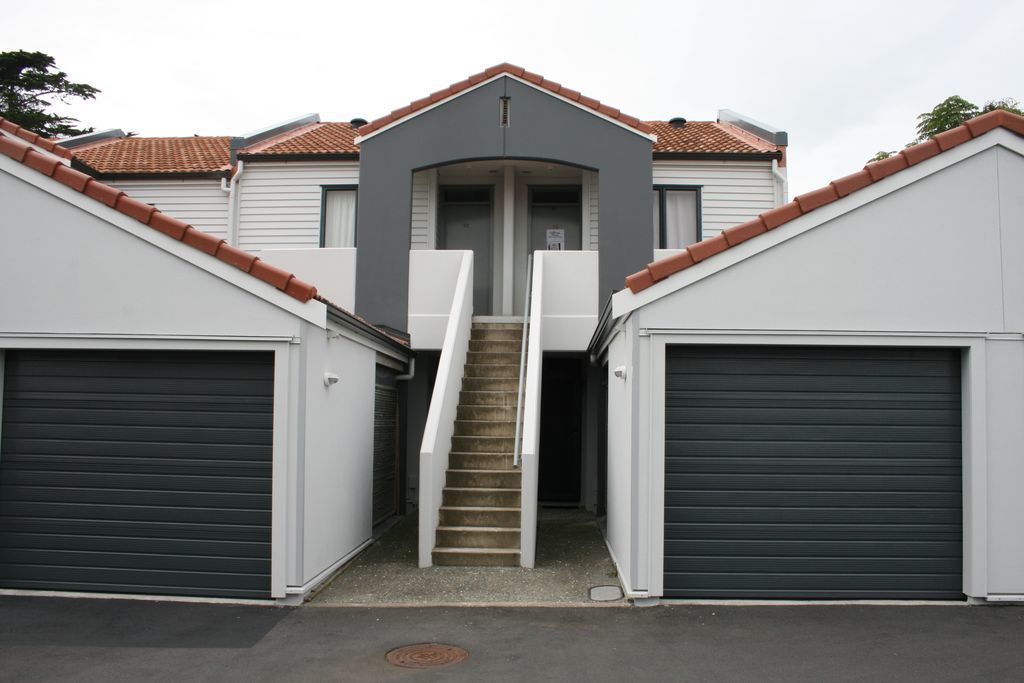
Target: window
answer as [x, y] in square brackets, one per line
[339, 217]
[676, 217]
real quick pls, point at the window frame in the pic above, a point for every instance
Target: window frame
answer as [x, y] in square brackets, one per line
[661, 188]
[324, 189]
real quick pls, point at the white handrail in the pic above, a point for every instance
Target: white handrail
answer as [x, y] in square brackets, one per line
[530, 465]
[440, 425]
[523, 345]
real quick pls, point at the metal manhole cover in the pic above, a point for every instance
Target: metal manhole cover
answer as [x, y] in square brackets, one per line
[426, 655]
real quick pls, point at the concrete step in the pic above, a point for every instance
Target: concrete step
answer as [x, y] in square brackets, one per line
[492, 384]
[507, 371]
[483, 444]
[495, 346]
[480, 515]
[496, 333]
[488, 398]
[477, 497]
[480, 461]
[509, 323]
[477, 537]
[485, 479]
[492, 358]
[485, 428]
[476, 557]
[478, 412]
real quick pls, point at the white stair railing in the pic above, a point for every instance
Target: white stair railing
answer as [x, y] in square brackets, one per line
[444, 402]
[531, 415]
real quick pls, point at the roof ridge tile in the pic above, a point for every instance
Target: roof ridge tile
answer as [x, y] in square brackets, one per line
[834, 191]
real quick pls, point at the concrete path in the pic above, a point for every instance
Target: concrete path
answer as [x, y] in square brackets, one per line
[45, 639]
[571, 559]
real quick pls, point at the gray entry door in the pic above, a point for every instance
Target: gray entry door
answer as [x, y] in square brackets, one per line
[465, 223]
[555, 219]
[137, 472]
[812, 473]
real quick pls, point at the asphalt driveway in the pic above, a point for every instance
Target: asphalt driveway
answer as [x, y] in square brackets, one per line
[105, 640]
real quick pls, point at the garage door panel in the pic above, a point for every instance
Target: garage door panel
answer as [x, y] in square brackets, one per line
[818, 499]
[728, 448]
[813, 415]
[772, 432]
[811, 548]
[853, 365]
[151, 532]
[96, 559]
[56, 494]
[813, 565]
[796, 383]
[153, 451]
[106, 579]
[140, 482]
[813, 399]
[137, 471]
[126, 416]
[137, 434]
[812, 531]
[807, 466]
[164, 546]
[816, 515]
[161, 464]
[143, 513]
[806, 472]
[824, 482]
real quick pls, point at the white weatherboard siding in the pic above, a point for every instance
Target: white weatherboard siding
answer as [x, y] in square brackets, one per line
[198, 201]
[731, 192]
[590, 218]
[424, 209]
[279, 201]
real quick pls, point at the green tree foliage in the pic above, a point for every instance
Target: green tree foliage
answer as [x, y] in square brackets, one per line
[950, 113]
[29, 82]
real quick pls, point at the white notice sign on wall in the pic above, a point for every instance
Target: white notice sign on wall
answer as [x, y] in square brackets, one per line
[556, 239]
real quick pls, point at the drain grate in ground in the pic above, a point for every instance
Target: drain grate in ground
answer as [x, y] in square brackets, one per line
[426, 655]
[605, 593]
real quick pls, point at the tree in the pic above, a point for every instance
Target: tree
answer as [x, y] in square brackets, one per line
[29, 81]
[950, 113]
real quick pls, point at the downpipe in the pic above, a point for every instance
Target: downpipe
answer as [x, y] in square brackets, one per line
[231, 187]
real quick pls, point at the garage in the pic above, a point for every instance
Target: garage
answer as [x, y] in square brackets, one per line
[137, 471]
[804, 472]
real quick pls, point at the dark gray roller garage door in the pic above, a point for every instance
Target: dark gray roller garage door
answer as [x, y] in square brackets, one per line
[812, 473]
[141, 472]
[385, 446]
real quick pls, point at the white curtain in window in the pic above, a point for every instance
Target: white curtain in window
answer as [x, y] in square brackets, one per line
[340, 219]
[657, 219]
[680, 218]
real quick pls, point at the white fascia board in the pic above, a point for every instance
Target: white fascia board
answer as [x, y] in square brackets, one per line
[312, 311]
[624, 301]
[649, 136]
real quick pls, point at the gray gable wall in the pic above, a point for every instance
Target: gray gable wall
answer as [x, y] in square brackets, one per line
[542, 127]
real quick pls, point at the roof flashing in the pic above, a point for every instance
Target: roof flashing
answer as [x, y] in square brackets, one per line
[240, 142]
[89, 138]
[754, 127]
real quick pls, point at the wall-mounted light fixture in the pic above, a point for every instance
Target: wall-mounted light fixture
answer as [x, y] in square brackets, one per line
[620, 372]
[330, 378]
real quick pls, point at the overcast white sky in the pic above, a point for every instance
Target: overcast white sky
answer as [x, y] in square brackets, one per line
[844, 79]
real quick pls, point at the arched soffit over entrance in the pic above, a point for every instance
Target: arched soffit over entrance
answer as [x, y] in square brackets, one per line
[540, 160]
[470, 125]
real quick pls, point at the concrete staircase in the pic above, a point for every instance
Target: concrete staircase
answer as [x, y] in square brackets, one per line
[480, 509]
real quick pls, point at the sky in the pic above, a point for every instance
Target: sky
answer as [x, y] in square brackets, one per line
[845, 80]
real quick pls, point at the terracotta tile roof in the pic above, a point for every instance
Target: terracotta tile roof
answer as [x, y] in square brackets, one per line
[148, 214]
[34, 138]
[198, 154]
[519, 72]
[707, 137]
[318, 138]
[805, 203]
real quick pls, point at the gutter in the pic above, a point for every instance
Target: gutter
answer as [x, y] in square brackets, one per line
[349, 321]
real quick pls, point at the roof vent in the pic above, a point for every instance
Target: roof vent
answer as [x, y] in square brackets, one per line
[504, 111]
[357, 122]
[677, 122]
